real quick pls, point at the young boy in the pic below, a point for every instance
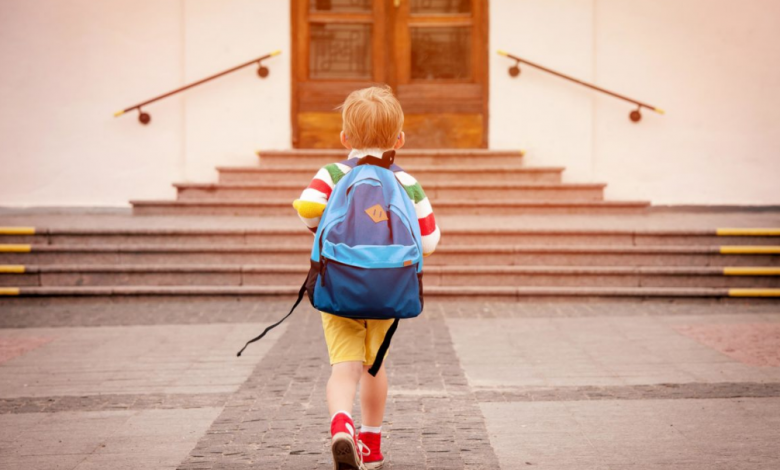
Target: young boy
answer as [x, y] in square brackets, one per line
[372, 121]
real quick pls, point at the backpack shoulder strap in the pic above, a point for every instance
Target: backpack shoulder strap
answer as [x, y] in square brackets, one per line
[350, 162]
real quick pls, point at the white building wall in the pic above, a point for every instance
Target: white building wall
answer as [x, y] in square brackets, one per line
[67, 67]
[230, 118]
[69, 64]
[551, 119]
[711, 64]
[714, 65]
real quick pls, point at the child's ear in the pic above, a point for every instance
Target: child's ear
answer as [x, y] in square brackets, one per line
[345, 141]
[400, 142]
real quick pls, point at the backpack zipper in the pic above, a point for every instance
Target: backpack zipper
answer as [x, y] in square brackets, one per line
[404, 218]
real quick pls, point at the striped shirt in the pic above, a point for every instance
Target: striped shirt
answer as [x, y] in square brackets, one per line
[311, 204]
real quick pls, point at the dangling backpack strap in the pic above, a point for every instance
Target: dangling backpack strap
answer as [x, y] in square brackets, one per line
[300, 296]
[380, 355]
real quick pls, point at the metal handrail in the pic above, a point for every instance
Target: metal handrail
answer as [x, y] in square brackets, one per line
[145, 118]
[635, 115]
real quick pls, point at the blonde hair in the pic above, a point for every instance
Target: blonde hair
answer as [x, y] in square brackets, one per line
[372, 118]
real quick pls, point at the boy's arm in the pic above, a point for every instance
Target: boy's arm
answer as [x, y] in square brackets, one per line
[422, 205]
[314, 198]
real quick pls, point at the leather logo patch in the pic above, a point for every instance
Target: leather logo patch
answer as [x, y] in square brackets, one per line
[376, 213]
[408, 262]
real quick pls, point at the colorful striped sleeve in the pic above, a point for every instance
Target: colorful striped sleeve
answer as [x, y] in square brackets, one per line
[314, 198]
[422, 205]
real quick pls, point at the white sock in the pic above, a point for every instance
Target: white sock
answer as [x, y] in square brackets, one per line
[374, 429]
[340, 411]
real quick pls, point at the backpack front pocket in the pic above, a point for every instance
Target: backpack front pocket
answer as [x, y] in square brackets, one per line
[367, 293]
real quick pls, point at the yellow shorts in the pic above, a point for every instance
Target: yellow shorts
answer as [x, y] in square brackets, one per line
[353, 340]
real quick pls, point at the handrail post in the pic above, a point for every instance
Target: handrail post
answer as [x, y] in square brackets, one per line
[635, 115]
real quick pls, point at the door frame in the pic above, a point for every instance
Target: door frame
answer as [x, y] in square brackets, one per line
[387, 28]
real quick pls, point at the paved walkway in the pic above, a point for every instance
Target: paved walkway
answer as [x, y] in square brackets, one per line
[156, 384]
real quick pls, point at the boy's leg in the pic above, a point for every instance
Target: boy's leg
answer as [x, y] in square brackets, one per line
[342, 385]
[346, 348]
[373, 397]
[373, 390]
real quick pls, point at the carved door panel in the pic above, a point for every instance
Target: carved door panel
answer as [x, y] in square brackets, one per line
[432, 52]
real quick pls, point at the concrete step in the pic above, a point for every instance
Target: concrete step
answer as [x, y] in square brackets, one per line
[462, 207]
[445, 157]
[293, 275]
[424, 174]
[165, 237]
[435, 191]
[434, 292]
[300, 237]
[499, 255]
[594, 237]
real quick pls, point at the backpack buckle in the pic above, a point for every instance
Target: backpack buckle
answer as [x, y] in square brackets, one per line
[385, 162]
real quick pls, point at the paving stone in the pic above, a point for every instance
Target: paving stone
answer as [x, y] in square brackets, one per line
[755, 344]
[647, 434]
[13, 347]
[273, 414]
[601, 351]
[186, 310]
[140, 311]
[86, 440]
[279, 416]
[630, 392]
[155, 360]
[58, 404]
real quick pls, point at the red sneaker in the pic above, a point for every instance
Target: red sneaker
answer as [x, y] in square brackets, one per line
[344, 444]
[373, 458]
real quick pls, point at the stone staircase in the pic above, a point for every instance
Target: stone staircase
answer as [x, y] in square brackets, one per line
[476, 259]
[478, 182]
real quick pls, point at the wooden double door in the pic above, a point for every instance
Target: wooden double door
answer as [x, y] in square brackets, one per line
[433, 53]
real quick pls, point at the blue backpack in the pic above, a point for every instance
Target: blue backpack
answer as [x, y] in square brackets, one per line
[367, 256]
